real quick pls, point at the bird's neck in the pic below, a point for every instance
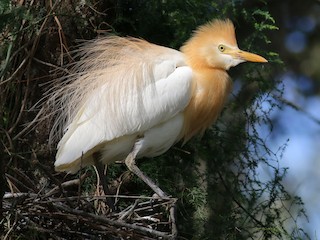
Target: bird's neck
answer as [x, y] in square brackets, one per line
[210, 91]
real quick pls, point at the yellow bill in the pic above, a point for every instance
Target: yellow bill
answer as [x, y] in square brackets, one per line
[247, 56]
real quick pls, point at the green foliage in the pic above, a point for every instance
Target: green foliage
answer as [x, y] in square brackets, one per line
[216, 178]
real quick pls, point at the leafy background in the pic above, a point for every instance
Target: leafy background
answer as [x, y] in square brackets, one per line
[234, 182]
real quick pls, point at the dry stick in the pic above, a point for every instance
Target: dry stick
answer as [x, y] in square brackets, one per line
[16, 181]
[43, 168]
[57, 68]
[27, 127]
[9, 141]
[3, 179]
[13, 75]
[11, 185]
[20, 48]
[103, 180]
[30, 57]
[63, 217]
[22, 107]
[8, 195]
[129, 211]
[173, 212]
[26, 179]
[61, 36]
[11, 229]
[137, 209]
[88, 198]
[80, 171]
[2, 188]
[36, 118]
[116, 223]
[143, 208]
[34, 226]
[26, 92]
[69, 183]
[96, 11]
[82, 234]
[118, 188]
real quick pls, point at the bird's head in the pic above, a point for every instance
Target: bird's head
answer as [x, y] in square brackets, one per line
[214, 45]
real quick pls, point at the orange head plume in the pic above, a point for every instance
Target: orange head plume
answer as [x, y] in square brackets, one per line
[214, 45]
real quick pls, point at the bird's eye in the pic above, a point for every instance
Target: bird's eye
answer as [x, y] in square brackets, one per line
[221, 48]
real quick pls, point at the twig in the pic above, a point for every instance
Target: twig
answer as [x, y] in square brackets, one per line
[26, 179]
[8, 195]
[238, 203]
[126, 175]
[149, 218]
[11, 185]
[102, 179]
[116, 223]
[43, 168]
[21, 184]
[67, 184]
[35, 208]
[13, 75]
[52, 66]
[32, 225]
[173, 220]
[96, 11]
[62, 39]
[11, 228]
[29, 58]
[129, 211]
[144, 208]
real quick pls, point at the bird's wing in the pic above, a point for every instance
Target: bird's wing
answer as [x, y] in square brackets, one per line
[113, 109]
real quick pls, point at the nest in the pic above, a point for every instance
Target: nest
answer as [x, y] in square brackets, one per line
[58, 213]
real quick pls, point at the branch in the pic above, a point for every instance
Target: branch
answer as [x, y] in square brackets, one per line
[238, 203]
[115, 223]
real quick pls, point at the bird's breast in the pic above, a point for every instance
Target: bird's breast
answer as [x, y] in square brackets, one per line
[207, 100]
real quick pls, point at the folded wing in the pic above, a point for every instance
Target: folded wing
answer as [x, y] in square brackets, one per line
[125, 97]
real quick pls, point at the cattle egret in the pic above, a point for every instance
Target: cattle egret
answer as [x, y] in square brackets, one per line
[127, 98]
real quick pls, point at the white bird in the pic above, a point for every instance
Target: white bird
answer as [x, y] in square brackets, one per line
[128, 98]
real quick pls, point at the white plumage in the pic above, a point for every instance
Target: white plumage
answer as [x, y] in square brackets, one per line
[151, 109]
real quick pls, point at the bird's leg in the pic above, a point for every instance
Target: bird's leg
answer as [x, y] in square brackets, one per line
[131, 164]
[103, 179]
